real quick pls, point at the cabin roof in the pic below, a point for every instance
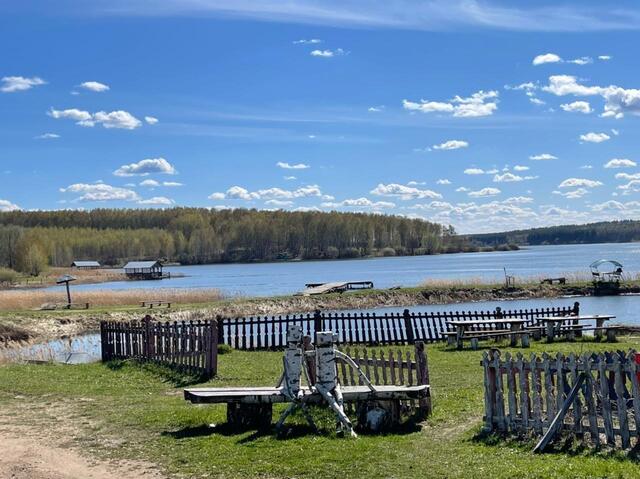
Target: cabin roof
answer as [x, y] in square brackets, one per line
[85, 263]
[141, 264]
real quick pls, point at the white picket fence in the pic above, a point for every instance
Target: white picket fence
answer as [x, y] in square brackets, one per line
[524, 395]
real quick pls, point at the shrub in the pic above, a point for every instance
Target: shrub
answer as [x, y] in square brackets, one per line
[8, 275]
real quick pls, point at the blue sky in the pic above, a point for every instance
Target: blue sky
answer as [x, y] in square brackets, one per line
[485, 115]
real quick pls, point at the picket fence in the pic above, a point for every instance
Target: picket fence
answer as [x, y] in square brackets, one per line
[599, 392]
[191, 346]
[269, 332]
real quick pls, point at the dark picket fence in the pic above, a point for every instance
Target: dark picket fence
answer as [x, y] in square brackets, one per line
[191, 346]
[269, 332]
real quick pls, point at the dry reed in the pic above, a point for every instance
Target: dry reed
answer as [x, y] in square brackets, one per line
[13, 300]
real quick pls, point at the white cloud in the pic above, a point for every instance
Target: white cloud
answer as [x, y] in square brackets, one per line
[507, 178]
[279, 203]
[100, 192]
[158, 201]
[474, 171]
[217, 196]
[520, 168]
[403, 192]
[47, 136]
[592, 137]
[546, 58]
[586, 167]
[6, 205]
[290, 178]
[518, 200]
[572, 195]
[360, 203]
[151, 120]
[579, 182]
[462, 189]
[543, 157]
[375, 109]
[443, 181]
[577, 106]
[287, 166]
[146, 167]
[620, 163]
[240, 193]
[604, 57]
[627, 176]
[94, 86]
[582, 61]
[451, 145]
[328, 53]
[171, 184]
[478, 104]
[17, 83]
[609, 205]
[537, 101]
[115, 119]
[149, 183]
[484, 192]
[311, 41]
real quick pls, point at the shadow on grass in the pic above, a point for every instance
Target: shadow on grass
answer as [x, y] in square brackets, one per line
[168, 374]
[564, 445]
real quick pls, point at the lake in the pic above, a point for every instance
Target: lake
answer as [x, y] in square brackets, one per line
[268, 279]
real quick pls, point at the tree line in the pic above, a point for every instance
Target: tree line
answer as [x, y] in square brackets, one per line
[29, 241]
[624, 231]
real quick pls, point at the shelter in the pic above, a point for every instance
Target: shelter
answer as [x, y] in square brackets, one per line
[85, 264]
[143, 270]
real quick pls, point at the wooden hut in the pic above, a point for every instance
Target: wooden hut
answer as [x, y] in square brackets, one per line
[85, 265]
[143, 270]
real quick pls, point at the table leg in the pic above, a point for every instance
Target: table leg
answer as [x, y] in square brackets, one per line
[598, 332]
[550, 331]
[514, 337]
[459, 336]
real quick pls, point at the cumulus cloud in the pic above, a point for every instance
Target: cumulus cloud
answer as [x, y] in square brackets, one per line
[375, 109]
[462, 189]
[6, 205]
[149, 183]
[288, 166]
[507, 178]
[546, 58]
[604, 57]
[18, 83]
[627, 176]
[620, 163]
[451, 145]
[94, 86]
[115, 119]
[579, 182]
[403, 192]
[47, 136]
[328, 53]
[311, 41]
[574, 194]
[240, 193]
[279, 203]
[360, 203]
[157, 201]
[443, 181]
[171, 184]
[592, 137]
[582, 61]
[537, 101]
[146, 167]
[484, 192]
[151, 120]
[478, 104]
[100, 192]
[474, 171]
[543, 157]
[577, 107]
[520, 168]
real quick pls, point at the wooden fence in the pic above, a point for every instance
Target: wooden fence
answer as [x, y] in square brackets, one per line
[389, 368]
[599, 393]
[191, 346]
[269, 332]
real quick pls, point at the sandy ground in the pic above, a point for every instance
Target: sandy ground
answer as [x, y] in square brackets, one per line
[26, 457]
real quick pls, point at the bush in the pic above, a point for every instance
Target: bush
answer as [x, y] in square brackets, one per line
[8, 275]
[224, 349]
[388, 251]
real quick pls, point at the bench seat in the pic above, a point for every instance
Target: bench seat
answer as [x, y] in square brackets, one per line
[271, 395]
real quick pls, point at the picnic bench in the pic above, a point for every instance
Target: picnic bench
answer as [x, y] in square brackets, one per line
[561, 280]
[72, 305]
[153, 303]
[487, 329]
[570, 326]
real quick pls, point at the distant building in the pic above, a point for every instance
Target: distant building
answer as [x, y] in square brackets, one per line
[85, 264]
[143, 270]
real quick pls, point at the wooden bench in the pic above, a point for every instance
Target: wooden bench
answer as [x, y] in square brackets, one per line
[561, 280]
[153, 303]
[72, 305]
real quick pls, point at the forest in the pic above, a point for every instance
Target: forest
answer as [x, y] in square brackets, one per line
[625, 231]
[32, 240]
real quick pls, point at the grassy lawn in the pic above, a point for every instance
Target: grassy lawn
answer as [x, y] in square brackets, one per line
[133, 411]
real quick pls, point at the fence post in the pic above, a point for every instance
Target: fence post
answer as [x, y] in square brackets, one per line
[317, 321]
[498, 312]
[408, 326]
[146, 340]
[212, 353]
[103, 341]
[423, 377]
[576, 312]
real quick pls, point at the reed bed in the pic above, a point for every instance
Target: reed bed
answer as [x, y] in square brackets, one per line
[14, 300]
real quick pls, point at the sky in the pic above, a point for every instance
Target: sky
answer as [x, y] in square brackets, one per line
[486, 115]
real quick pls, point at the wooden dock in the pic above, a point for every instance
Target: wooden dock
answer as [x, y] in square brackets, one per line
[336, 287]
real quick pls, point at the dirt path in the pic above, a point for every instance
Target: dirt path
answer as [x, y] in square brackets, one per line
[25, 456]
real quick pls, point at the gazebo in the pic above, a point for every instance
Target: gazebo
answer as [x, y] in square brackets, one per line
[143, 270]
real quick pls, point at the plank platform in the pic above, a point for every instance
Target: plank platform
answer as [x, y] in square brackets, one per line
[271, 395]
[335, 287]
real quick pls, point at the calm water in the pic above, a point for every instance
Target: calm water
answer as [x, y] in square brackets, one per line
[267, 279]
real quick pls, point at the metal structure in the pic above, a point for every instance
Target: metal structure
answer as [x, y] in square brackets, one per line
[606, 275]
[66, 279]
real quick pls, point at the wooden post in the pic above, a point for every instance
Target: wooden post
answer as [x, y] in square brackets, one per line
[576, 312]
[68, 294]
[146, 341]
[212, 353]
[408, 326]
[103, 341]
[317, 321]
[422, 365]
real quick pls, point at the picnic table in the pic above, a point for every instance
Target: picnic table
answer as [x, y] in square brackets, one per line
[152, 303]
[480, 329]
[554, 324]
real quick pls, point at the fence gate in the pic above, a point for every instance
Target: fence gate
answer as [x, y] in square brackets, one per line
[524, 395]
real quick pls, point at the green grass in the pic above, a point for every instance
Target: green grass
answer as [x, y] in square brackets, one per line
[137, 411]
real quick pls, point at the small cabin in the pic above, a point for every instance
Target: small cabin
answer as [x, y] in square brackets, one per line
[143, 270]
[85, 265]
